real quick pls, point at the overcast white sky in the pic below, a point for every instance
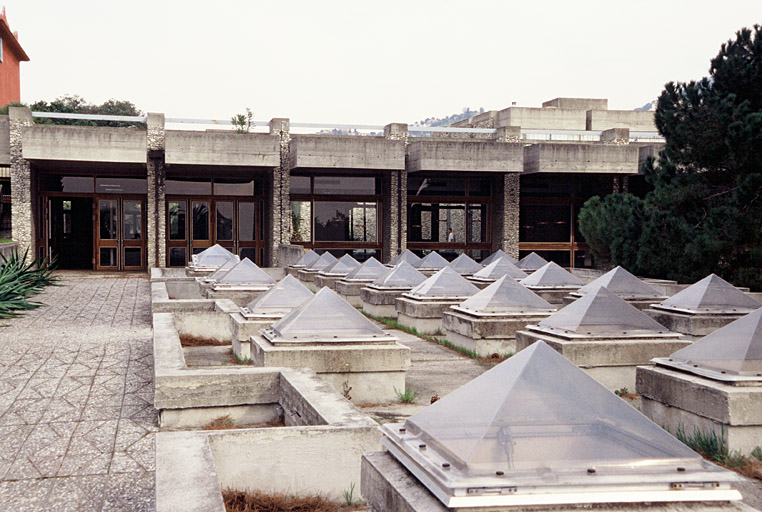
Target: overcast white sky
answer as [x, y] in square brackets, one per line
[365, 62]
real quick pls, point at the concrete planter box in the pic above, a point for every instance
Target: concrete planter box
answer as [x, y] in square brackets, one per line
[611, 362]
[675, 399]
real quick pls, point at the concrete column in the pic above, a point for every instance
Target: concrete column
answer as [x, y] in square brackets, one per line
[508, 134]
[156, 175]
[509, 206]
[22, 215]
[616, 136]
[279, 194]
[395, 201]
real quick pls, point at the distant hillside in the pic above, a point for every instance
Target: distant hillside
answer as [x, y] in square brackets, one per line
[454, 118]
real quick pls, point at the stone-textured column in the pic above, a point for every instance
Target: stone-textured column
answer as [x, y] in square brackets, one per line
[395, 201]
[22, 215]
[280, 190]
[156, 177]
[508, 134]
[510, 206]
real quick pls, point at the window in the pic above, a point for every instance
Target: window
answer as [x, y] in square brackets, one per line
[1, 49]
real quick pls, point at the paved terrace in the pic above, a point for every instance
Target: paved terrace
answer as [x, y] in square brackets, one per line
[76, 398]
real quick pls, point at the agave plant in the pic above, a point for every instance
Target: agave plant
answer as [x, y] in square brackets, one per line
[21, 278]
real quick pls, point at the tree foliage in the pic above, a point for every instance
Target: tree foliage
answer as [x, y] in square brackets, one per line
[73, 104]
[704, 213]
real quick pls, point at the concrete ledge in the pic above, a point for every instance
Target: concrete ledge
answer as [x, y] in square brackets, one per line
[221, 149]
[723, 403]
[84, 144]
[194, 488]
[330, 152]
[581, 158]
[465, 155]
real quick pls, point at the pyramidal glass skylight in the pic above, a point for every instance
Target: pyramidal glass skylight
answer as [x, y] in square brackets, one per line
[711, 295]
[407, 256]
[371, 270]
[733, 352]
[307, 259]
[284, 296]
[222, 270]
[325, 318]
[505, 297]
[246, 273]
[538, 430]
[465, 265]
[402, 277]
[531, 261]
[623, 284]
[324, 261]
[444, 284]
[212, 257]
[601, 314]
[497, 255]
[498, 268]
[432, 261]
[552, 275]
[342, 267]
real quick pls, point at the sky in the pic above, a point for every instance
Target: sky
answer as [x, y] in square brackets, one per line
[365, 62]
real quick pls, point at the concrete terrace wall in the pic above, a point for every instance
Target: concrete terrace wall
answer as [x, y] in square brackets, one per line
[451, 155]
[542, 118]
[213, 148]
[578, 103]
[582, 158]
[336, 152]
[636, 121]
[84, 144]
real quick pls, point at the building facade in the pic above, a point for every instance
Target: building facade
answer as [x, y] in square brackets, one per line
[11, 54]
[144, 196]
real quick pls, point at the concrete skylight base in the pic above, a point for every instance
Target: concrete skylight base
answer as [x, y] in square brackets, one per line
[485, 335]
[612, 362]
[551, 295]
[424, 315]
[692, 324]
[350, 291]
[372, 371]
[379, 302]
[307, 277]
[641, 304]
[322, 280]
[679, 400]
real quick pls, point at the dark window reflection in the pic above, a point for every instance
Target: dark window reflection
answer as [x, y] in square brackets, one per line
[200, 220]
[177, 256]
[545, 223]
[340, 221]
[300, 185]
[224, 220]
[177, 220]
[246, 221]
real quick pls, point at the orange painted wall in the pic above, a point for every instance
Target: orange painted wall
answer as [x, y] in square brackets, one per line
[10, 78]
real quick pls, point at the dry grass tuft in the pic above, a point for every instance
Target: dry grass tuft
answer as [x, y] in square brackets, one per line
[238, 501]
[194, 341]
[221, 423]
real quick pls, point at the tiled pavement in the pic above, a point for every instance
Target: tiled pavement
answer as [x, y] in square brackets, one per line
[76, 398]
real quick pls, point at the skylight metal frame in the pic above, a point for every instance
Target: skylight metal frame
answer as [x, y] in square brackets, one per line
[708, 372]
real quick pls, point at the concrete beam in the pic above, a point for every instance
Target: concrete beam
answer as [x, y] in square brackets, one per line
[84, 144]
[222, 149]
[342, 152]
[464, 155]
[578, 103]
[635, 120]
[581, 158]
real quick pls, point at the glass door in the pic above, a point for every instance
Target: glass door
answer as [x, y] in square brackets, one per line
[120, 234]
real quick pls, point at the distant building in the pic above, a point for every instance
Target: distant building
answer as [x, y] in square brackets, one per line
[11, 54]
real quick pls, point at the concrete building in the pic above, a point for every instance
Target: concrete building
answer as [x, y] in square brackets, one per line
[149, 196]
[11, 55]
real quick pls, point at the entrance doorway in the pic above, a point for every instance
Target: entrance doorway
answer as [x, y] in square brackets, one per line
[120, 234]
[195, 223]
[71, 232]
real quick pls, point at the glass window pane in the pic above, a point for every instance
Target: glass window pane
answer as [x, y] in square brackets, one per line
[420, 186]
[300, 185]
[133, 223]
[188, 186]
[177, 220]
[481, 188]
[345, 221]
[562, 258]
[197, 250]
[347, 185]
[120, 186]
[452, 223]
[107, 219]
[71, 184]
[247, 222]
[248, 252]
[301, 221]
[235, 187]
[224, 220]
[177, 256]
[108, 257]
[477, 223]
[200, 220]
[545, 223]
[133, 257]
